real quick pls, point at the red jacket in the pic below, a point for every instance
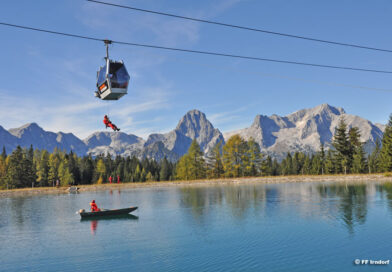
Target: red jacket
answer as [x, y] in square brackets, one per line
[94, 207]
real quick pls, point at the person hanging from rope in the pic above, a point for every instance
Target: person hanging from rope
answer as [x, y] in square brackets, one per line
[108, 123]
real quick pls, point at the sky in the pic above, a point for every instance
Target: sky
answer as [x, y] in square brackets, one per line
[51, 79]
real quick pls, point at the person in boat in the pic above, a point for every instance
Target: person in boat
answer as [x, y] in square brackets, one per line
[94, 207]
[108, 123]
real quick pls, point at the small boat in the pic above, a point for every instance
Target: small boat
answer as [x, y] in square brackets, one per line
[73, 189]
[102, 213]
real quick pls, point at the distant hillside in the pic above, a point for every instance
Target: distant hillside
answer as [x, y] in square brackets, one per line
[303, 130]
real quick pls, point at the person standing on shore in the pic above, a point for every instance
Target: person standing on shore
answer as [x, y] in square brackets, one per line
[118, 179]
[110, 179]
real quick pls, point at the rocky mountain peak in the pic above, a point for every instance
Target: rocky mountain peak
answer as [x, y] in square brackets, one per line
[26, 129]
[194, 123]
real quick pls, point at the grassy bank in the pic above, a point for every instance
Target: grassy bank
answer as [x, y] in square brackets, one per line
[265, 180]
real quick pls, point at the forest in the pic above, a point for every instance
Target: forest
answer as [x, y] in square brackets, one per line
[29, 167]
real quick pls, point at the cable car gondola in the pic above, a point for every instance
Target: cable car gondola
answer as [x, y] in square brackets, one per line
[112, 78]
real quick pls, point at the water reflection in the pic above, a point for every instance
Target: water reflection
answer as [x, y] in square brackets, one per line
[352, 202]
[386, 191]
[94, 220]
[346, 203]
[93, 226]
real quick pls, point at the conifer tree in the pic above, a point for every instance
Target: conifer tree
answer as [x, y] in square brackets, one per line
[342, 146]
[322, 158]
[266, 167]
[15, 175]
[164, 173]
[87, 170]
[217, 169]
[3, 173]
[255, 158]
[137, 175]
[357, 153]
[4, 153]
[374, 159]
[386, 148]
[330, 163]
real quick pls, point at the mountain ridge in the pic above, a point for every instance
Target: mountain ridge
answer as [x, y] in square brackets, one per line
[303, 130]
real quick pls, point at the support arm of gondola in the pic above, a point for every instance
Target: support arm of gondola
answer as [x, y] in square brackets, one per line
[107, 42]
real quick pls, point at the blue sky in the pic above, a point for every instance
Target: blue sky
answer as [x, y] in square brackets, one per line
[51, 79]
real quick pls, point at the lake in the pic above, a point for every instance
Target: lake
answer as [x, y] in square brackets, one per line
[248, 227]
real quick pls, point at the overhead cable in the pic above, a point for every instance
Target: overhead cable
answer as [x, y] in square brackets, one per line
[243, 27]
[197, 51]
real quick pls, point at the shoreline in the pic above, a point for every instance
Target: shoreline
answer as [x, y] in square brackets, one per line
[246, 180]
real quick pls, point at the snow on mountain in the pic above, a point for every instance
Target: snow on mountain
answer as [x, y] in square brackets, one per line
[32, 134]
[305, 130]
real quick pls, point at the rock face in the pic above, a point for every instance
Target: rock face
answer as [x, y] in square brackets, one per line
[305, 130]
[32, 134]
[193, 125]
[114, 143]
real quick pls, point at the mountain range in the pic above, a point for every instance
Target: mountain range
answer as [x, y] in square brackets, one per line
[304, 130]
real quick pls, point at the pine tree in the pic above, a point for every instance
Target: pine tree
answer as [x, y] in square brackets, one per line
[342, 146]
[87, 170]
[330, 163]
[306, 169]
[356, 153]
[266, 167]
[15, 175]
[359, 164]
[137, 175]
[164, 173]
[255, 158]
[322, 158]
[287, 165]
[374, 159]
[4, 153]
[215, 162]
[386, 149]
[28, 167]
[143, 175]
[316, 167]
[3, 172]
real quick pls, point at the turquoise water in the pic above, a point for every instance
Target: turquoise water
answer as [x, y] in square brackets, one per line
[275, 227]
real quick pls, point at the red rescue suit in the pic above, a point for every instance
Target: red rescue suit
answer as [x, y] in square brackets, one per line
[107, 123]
[94, 207]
